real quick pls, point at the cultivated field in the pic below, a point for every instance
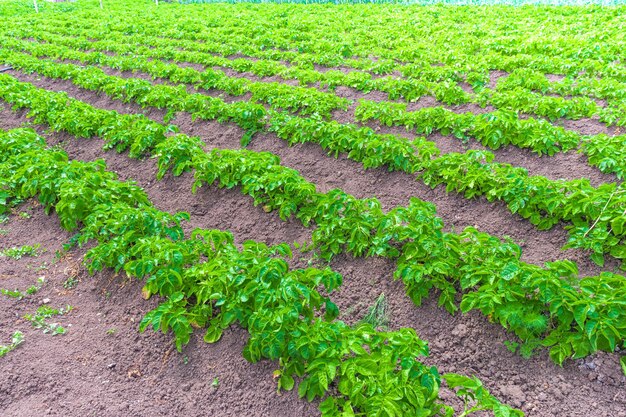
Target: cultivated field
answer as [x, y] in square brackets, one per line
[304, 210]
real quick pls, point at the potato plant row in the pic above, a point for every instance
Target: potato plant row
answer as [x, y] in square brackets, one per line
[547, 306]
[595, 213]
[588, 42]
[303, 100]
[205, 280]
[437, 81]
[518, 97]
[501, 128]
[494, 130]
[154, 47]
[601, 88]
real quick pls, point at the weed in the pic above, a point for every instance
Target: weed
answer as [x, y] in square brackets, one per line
[38, 320]
[24, 215]
[348, 312]
[58, 254]
[215, 383]
[12, 293]
[33, 289]
[111, 331]
[377, 314]
[16, 339]
[19, 252]
[38, 268]
[511, 346]
[72, 242]
[70, 283]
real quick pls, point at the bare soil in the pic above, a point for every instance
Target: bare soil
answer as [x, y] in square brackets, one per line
[104, 366]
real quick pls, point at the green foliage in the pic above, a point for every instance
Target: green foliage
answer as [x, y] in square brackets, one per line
[16, 339]
[33, 289]
[280, 96]
[426, 256]
[38, 320]
[544, 306]
[495, 130]
[476, 398]
[70, 283]
[544, 202]
[207, 281]
[20, 252]
[12, 293]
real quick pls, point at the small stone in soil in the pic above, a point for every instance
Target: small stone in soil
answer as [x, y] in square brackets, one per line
[134, 373]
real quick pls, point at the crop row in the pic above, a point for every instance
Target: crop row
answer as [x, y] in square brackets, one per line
[596, 214]
[547, 306]
[496, 129]
[501, 128]
[206, 281]
[277, 95]
[601, 88]
[518, 98]
[225, 46]
[409, 89]
[392, 37]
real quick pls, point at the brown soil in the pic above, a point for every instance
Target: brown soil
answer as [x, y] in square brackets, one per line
[90, 371]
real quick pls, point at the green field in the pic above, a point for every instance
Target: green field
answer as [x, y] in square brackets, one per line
[518, 111]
